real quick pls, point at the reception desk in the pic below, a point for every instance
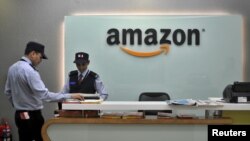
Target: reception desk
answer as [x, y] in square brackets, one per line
[143, 105]
[93, 129]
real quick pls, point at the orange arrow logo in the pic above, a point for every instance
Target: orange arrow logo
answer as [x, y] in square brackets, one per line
[163, 48]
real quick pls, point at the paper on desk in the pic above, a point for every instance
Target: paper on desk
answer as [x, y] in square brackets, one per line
[85, 101]
[92, 101]
[112, 115]
[208, 103]
[189, 102]
[89, 95]
[165, 115]
[71, 101]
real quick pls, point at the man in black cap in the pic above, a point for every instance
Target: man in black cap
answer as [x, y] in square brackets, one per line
[26, 92]
[83, 80]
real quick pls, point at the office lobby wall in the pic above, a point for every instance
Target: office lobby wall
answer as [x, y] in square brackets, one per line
[41, 20]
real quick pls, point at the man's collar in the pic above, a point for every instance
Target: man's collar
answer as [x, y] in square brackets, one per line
[83, 73]
[24, 58]
[27, 59]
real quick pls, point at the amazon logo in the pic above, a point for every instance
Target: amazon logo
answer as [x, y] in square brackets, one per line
[150, 37]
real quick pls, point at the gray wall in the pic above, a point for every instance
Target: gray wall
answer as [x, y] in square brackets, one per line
[41, 20]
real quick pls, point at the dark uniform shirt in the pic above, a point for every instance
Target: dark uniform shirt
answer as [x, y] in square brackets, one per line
[91, 83]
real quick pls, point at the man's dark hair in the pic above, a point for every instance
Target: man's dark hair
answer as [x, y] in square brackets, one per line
[37, 47]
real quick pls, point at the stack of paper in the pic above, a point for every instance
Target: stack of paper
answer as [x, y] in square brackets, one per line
[165, 115]
[85, 101]
[150, 116]
[132, 115]
[186, 116]
[111, 115]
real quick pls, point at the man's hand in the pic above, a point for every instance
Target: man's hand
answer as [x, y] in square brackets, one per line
[77, 96]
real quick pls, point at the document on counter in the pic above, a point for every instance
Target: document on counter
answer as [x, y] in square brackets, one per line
[91, 101]
[90, 96]
[85, 101]
[191, 102]
[188, 102]
[208, 103]
[72, 101]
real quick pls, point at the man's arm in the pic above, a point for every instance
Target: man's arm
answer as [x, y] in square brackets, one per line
[7, 91]
[38, 88]
[101, 89]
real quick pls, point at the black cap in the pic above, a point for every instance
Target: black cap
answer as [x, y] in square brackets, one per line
[34, 46]
[81, 58]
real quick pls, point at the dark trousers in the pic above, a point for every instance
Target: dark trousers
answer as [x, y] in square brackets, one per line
[29, 124]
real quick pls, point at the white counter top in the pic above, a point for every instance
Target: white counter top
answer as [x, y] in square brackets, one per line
[138, 105]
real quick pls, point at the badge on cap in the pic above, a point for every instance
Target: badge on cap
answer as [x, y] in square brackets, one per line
[80, 55]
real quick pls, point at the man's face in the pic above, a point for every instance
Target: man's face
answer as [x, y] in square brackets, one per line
[82, 67]
[36, 58]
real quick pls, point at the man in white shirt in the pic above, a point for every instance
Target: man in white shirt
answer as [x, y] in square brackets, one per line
[26, 92]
